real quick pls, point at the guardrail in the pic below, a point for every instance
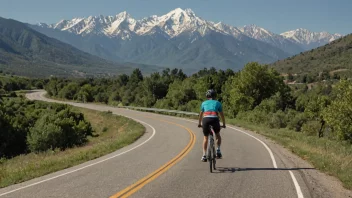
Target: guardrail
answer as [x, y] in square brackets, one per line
[161, 110]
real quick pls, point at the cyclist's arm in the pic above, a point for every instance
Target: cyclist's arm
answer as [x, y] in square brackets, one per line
[200, 118]
[222, 115]
[223, 118]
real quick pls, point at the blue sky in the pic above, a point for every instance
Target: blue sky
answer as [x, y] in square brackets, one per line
[275, 15]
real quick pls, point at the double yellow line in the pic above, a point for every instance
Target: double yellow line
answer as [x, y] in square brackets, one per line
[139, 184]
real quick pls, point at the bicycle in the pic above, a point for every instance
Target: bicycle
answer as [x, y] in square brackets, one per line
[211, 155]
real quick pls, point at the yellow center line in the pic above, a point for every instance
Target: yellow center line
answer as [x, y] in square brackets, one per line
[142, 182]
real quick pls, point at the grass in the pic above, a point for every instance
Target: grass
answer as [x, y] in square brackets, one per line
[111, 133]
[329, 156]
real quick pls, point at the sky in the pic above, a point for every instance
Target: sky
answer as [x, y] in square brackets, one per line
[275, 15]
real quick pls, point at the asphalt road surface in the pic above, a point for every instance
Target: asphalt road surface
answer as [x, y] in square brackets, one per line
[166, 162]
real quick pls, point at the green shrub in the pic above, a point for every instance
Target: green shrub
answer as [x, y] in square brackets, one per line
[62, 130]
[193, 106]
[297, 121]
[44, 136]
[311, 128]
[255, 116]
[277, 120]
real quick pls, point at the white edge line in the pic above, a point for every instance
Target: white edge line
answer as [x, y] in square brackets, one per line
[266, 146]
[297, 187]
[21, 188]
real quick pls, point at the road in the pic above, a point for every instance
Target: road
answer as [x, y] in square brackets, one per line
[251, 167]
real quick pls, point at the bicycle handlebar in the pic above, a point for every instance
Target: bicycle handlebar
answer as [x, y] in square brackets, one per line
[211, 126]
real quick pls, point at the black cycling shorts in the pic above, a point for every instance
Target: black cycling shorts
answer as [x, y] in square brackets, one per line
[207, 121]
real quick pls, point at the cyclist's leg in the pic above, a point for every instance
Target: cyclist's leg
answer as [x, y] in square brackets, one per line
[217, 128]
[205, 124]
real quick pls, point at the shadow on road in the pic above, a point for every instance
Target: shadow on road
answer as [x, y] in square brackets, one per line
[235, 169]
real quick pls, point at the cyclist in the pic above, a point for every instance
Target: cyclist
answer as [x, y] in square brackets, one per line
[211, 109]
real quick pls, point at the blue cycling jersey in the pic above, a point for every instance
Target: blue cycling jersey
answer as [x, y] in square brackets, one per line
[211, 108]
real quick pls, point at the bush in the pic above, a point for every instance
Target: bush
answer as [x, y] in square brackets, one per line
[10, 139]
[62, 130]
[277, 120]
[311, 128]
[44, 136]
[338, 114]
[193, 106]
[256, 117]
[101, 97]
[297, 121]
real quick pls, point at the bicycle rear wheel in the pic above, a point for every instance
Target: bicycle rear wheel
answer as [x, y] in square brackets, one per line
[210, 152]
[214, 158]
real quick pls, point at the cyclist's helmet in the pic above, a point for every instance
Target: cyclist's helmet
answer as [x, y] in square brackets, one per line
[210, 93]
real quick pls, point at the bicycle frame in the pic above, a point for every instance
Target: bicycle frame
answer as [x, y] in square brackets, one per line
[211, 150]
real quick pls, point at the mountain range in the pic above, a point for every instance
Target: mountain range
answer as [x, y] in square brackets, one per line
[180, 39]
[24, 51]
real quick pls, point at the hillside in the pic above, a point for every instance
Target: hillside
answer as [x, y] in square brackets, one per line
[331, 57]
[24, 51]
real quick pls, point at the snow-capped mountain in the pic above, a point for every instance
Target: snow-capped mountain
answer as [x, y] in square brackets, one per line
[121, 25]
[309, 39]
[178, 38]
[175, 23]
[179, 21]
[124, 26]
[276, 40]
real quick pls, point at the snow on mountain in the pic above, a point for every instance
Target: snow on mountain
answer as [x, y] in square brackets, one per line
[173, 24]
[179, 21]
[120, 25]
[310, 39]
[234, 31]
[258, 33]
[271, 38]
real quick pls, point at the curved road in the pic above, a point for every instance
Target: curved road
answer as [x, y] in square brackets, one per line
[250, 167]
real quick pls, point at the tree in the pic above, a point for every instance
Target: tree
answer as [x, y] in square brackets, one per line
[69, 91]
[86, 93]
[314, 109]
[122, 80]
[136, 77]
[181, 92]
[51, 87]
[251, 86]
[339, 114]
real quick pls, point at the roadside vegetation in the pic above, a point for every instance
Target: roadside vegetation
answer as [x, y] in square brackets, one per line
[37, 138]
[312, 118]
